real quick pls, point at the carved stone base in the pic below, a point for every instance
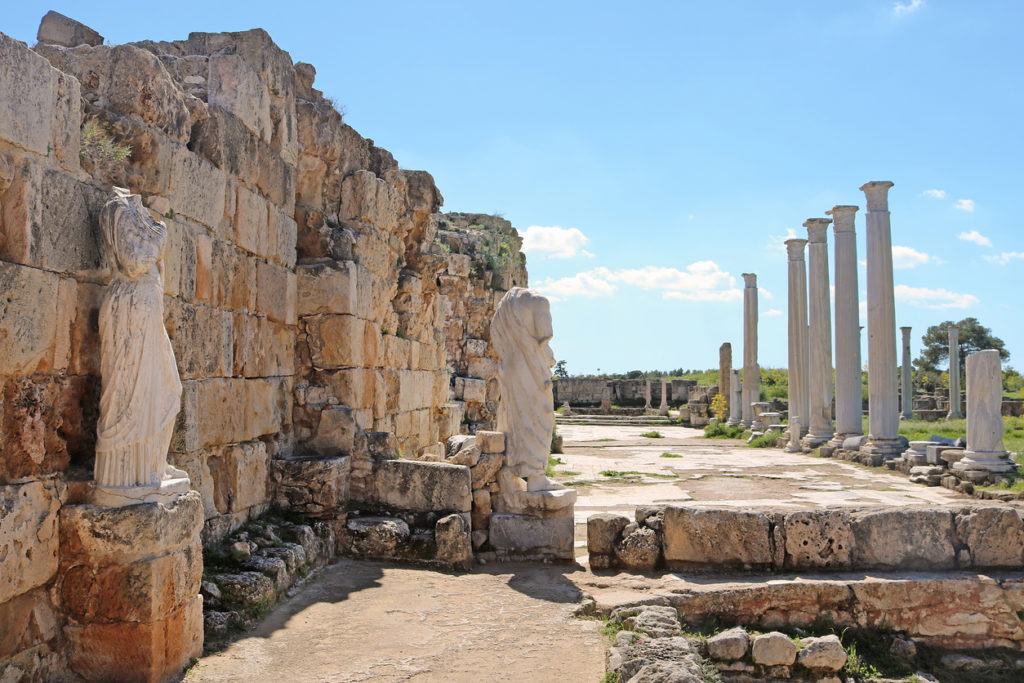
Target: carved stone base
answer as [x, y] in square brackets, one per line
[129, 583]
[116, 496]
[988, 462]
[887, 448]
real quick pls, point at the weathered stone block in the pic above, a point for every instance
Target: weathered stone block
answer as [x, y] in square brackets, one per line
[28, 535]
[29, 620]
[327, 288]
[218, 419]
[729, 645]
[201, 337]
[369, 199]
[702, 537]
[421, 486]
[822, 654]
[133, 651]
[335, 435]
[197, 189]
[532, 536]
[481, 515]
[486, 469]
[603, 530]
[773, 649]
[342, 341]
[639, 548]
[240, 476]
[252, 228]
[459, 265]
[454, 545]
[905, 538]
[40, 110]
[275, 293]
[57, 29]
[818, 539]
[994, 536]
[483, 368]
[473, 390]
[316, 486]
[28, 319]
[491, 442]
[235, 86]
[354, 387]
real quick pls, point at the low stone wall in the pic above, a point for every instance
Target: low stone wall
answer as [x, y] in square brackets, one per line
[714, 540]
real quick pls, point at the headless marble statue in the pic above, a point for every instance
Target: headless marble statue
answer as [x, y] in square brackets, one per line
[520, 332]
[141, 391]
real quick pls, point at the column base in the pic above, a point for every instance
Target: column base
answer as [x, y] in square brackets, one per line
[887, 448]
[815, 440]
[954, 416]
[118, 496]
[793, 447]
[732, 423]
[989, 462]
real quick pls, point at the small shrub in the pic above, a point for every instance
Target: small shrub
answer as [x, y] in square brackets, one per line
[99, 148]
[670, 455]
[718, 406]
[720, 430]
[653, 435]
[764, 441]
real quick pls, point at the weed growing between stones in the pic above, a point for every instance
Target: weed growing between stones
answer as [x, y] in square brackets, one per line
[720, 430]
[553, 460]
[764, 441]
[653, 435]
[669, 455]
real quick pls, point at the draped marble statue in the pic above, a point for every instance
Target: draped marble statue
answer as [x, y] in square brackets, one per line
[141, 392]
[520, 332]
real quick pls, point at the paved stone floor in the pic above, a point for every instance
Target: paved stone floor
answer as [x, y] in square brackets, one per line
[371, 621]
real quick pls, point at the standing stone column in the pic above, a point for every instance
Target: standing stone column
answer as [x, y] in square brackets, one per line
[985, 451]
[906, 378]
[819, 318]
[751, 372]
[736, 398]
[847, 325]
[647, 395]
[663, 408]
[883, 410]
[798, 398]
[725, 372]
[954, 374]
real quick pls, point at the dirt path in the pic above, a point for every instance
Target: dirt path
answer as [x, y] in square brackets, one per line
[372, 621]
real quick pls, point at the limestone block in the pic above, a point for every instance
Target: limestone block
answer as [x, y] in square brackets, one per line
[201, 338]
[197, 189]
[473, 390]
[327, 288]
[708, 537]
[235, 86]
[729, 645]
[421, 486]
[276, 179]
[154, 651]
[185, 437]
[818, 539]
[341, 341]
[28, 535]
[481, 515]
[491, 442]
[367, 198]
[275, 293]
[29, 619]
[262, 348]
[459, 265]
[483, 368]
[603, 530]
[110, 536]
[486, 469]
[532, 536]
[218, 419]
[315, 486]
[240, 476]
[822, 654]
[235, 286]
[40, 110]
[467, 455]
[28, 319]
[354, 387]
[906, 538]
[335, 435]
[204, 264]
[993, 536]
[199, 476]
[475, 347]
[61, 227]
[454, 545]
[222, 138]
[773, 649]
[142, 591]
[639, 548]
[57, 29]
[252, 226]
[380, 537]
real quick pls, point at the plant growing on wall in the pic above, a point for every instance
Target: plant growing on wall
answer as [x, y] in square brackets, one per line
[98, 148]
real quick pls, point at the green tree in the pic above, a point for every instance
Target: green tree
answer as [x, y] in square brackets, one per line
[973, 337]
[560, 371]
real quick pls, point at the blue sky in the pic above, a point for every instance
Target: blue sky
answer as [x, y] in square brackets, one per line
[670, 147]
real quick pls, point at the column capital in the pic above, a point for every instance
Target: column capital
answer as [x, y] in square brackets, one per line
[817, 229]
[954, 333]
[842, 217]
[877, 194]
[905, 329]
[795, 249]
[750, 280]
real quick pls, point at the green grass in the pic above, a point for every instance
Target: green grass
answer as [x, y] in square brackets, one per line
[670, 455]
[605, 439]
[653, 435]
[552, 461]
[619, 473]
[920, 430]
[764, 441]
[720, 430]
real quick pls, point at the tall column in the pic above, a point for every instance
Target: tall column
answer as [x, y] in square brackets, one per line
[847, 325]
[985, 450]
[906, 378]
[725, 372]
[883, 410]
[751, 372]
[663, 408]
[819, 319]
[798, 399]
[647, 395]
[735, 399]
[954, 374]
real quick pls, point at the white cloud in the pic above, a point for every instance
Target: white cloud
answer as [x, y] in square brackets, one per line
[701, 281]
[554, 241]
[778, 242]
[964, 204]
[976, 237]
[934, 194]
[908, 257]
[933, 298]
[902, 9]
[1004, 258]
[765, 293]
[772, 312]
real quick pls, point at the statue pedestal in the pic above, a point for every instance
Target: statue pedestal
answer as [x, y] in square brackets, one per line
[117, 496]
[534, 524]
[129, 581]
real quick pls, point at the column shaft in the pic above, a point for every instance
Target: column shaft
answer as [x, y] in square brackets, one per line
[985, 451]
[798, 359]
[736, 398]
[751, 371]
[906, 378]
[819, 318]
[847, 325]
[954, 374]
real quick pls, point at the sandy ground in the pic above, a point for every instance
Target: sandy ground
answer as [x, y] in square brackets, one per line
[372, 621]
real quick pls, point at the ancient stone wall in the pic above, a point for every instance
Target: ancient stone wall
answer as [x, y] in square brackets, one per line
[587, 392]
[312, 295]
